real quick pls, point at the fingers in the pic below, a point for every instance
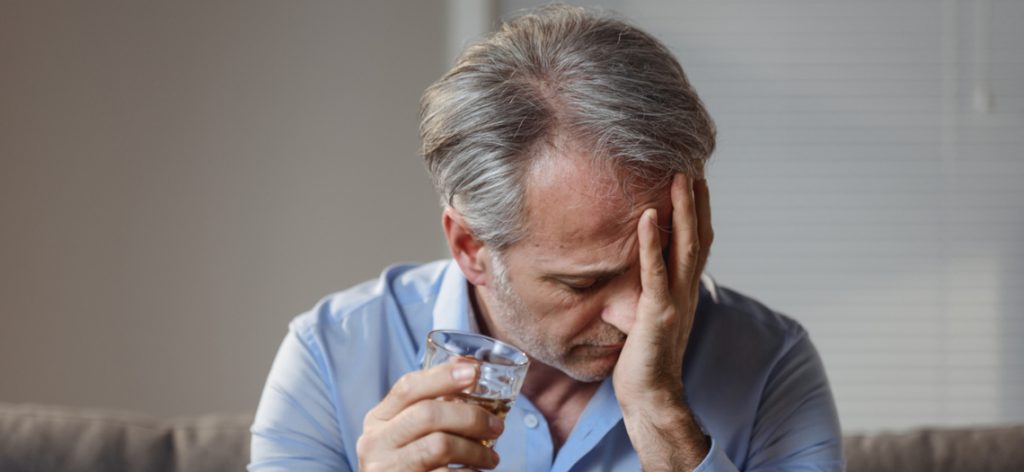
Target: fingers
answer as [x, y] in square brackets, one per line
[653, 280]
[692, 236]
[462, 419]
[412, 429]
[440, 449]
[445, 379]
[706, 234]
[684, 257]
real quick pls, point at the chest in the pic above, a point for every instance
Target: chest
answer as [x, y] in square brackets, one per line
[561, 424]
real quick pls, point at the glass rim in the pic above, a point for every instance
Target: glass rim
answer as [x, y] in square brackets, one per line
[516, 362]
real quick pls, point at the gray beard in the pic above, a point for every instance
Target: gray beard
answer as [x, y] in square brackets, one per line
[521, 332]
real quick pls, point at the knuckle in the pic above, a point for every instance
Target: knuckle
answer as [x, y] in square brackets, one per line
[438, 448]
[666, 316]
[403, 388]
[362, 446]
[692, 249]
[425, 413]
[372, 419]
[657, 268]
[377, 467]
[365, 446]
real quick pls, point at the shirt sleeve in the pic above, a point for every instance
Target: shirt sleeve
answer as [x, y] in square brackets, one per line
[296, 425]
[716, 461]
[797, 427]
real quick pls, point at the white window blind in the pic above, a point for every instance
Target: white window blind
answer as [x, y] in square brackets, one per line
[868, 182]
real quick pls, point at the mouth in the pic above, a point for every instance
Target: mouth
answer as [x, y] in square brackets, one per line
[605, 349]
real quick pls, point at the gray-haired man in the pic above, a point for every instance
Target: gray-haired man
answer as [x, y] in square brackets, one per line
[568, 149]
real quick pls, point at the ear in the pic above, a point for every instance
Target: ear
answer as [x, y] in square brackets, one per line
[469, 253]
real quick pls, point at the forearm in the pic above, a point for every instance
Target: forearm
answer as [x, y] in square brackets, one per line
[665, 435]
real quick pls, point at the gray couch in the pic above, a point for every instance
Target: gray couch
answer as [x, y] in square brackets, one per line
[46, 438]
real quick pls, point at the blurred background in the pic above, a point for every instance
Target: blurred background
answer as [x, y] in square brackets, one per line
[179, 179]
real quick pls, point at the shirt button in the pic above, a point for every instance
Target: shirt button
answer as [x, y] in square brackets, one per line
[531, 420]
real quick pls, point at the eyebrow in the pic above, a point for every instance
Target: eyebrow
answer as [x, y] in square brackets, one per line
[590, 274]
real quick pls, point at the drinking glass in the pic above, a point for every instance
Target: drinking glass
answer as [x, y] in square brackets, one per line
[502, 368]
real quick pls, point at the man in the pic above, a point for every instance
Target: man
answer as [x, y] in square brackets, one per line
[568, 149]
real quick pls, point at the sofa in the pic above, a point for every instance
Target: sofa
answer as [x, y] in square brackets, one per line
[41, 438]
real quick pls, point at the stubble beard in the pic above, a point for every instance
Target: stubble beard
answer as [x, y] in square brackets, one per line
[529, 336]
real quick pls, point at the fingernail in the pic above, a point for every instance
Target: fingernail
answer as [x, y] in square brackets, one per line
[463, 373]
[652, 215]
[497, 424]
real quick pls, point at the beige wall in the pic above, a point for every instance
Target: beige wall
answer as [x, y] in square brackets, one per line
[179, 179]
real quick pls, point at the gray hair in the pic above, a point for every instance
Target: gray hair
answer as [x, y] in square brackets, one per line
[557, 72]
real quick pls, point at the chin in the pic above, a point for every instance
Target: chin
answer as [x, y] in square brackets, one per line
[592, 370]
[587, 377]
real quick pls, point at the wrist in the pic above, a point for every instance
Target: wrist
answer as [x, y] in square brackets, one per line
[665, 434]
[653, 400]
[663, 413]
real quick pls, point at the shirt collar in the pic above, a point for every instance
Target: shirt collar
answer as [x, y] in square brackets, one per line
[452, 309]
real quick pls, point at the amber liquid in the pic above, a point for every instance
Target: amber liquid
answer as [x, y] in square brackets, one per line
[496, 406]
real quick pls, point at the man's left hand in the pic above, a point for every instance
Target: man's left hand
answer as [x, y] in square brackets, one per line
[648, 376]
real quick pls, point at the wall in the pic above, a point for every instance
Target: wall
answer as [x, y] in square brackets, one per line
[179, 179]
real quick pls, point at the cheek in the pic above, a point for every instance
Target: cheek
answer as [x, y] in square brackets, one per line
[563, 313]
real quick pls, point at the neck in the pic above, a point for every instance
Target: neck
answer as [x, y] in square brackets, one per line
[552, 391]
[559, 397]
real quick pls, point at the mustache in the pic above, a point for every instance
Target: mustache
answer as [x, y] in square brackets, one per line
[604, 335]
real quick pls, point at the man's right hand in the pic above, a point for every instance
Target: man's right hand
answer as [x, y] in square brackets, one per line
[411, 429]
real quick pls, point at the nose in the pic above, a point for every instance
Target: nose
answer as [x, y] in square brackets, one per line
[620, 308]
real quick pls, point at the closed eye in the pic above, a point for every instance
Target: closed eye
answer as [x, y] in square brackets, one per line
[585, 282]
[585, 286]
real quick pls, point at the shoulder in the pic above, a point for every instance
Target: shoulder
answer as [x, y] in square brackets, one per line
[400, 291]
[739, 348]
[724, 308]
[741, 336]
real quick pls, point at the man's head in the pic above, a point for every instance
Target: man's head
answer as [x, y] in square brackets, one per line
[546, 141]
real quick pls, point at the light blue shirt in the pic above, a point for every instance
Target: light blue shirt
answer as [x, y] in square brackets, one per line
[752, 376]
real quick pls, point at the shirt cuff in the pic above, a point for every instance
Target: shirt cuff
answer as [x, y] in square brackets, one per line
[716, 460]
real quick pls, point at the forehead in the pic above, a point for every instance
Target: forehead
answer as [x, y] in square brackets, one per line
[577, 209]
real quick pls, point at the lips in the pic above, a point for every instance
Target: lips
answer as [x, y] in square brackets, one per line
[598, 351]
[606, 349]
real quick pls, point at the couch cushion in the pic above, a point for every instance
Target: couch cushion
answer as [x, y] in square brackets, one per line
[987, 448]
[47, 438]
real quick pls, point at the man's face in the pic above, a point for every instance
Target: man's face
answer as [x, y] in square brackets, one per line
[567, 292]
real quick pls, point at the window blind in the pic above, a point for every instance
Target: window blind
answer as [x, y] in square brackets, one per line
[867, 182]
